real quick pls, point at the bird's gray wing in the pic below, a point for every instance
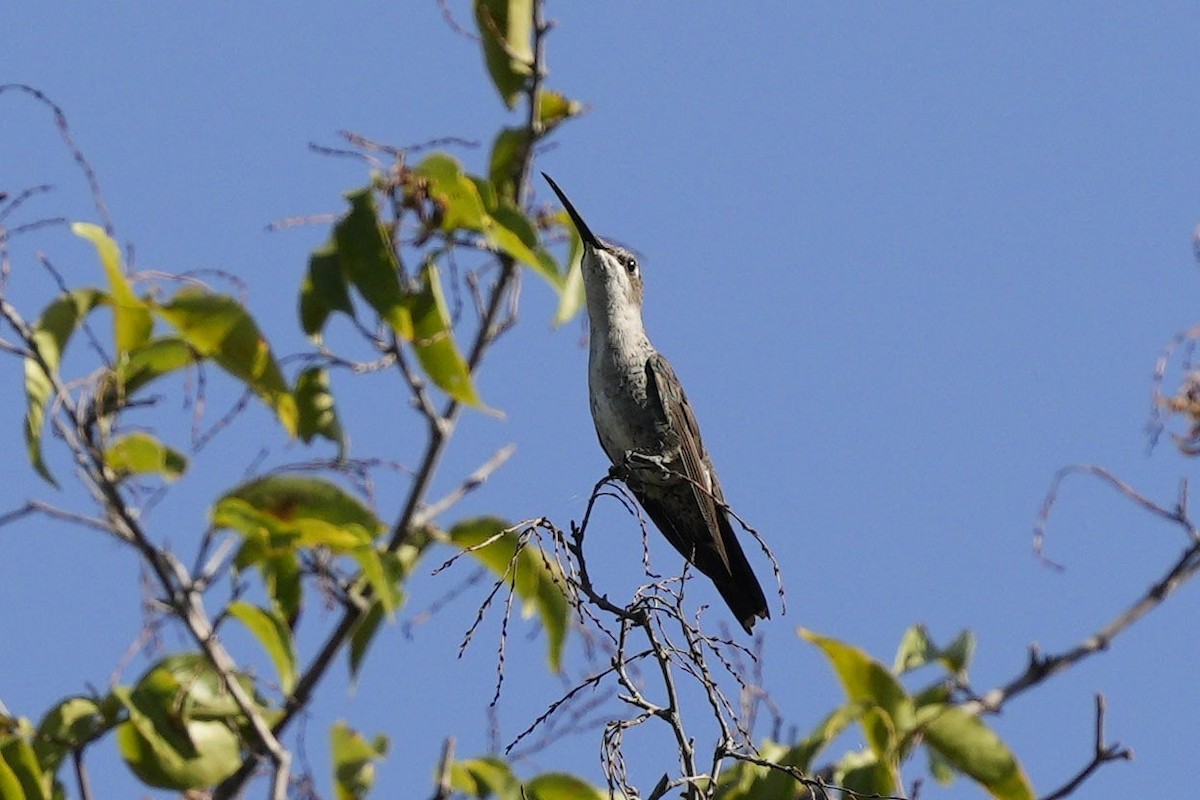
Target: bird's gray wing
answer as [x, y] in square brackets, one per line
[666, 394]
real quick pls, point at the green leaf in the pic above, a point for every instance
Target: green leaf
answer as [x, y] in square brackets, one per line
[362, 635]
[973, 749]
[958, 654]
[506, 32]
[132, 321]
[434, 341]
[916, 650]
[863, 773]
[561, 786]
[10, 782]
[318, 415]
[219, 327]
[354, 761]
[51, 333]
[538, 581]
[281, 514]
[181, 732]
[456, 194]
[942, 770]
[281, 576]
[142, 365]
[368, 262]
[324, 290]
[555, 108]
[71, 724]
[140, 454]
[507, 161]
[272, 632]
[571, 297]
[484, 777]
[291, 511]
[866, 681]
[509, 231]
[20, 772]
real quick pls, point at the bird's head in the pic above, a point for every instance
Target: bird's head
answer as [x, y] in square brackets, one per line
[609, 272]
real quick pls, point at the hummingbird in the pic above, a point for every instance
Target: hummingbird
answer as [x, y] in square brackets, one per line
[647, 428]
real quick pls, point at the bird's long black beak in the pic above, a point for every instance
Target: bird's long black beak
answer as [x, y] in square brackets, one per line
[585, 233]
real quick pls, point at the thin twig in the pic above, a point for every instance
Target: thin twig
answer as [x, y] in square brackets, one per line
[1101, 754]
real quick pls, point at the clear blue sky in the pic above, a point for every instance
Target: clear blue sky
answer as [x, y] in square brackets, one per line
[908, 260]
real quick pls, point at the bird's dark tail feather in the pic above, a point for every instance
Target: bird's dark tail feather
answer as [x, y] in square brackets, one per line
[737, 584]
[740, 589]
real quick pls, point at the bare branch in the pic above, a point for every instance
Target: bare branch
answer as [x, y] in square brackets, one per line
[471, 483]
[1101, 754]
[1042, 667]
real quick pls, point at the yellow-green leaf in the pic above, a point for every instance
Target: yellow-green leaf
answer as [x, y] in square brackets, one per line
[863, 773]
[554, 108]
[972, 748]
[20, 772]
[132, 321]
[506, 33]
[72, 723]
[182, 731]
[434, 341]
[141, 454]
[292, 511]
[538, 581]
[272, 632]
[219, 327]
[916, 650]
[509, 231]
[561, 786]
[866, 681]
[507, 161]
[484, 777]
[455, 193]
[571, 296]
[142, 365]
[354, 761]
[51, 333]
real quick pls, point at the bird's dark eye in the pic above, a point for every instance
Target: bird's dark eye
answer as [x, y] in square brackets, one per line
[630, 264]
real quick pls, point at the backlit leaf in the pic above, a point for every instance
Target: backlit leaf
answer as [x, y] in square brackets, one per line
[354, 761]
[554, 108]
[561, 786]
[323, 290]
[485, 777]
[506, 32]
[182, 732]
[318, 415]
[51, 333]
[455, 193]
[972, 748]
[72, 723]
[571, 297]
[20, 772]
[507, 161]
[142, 454]
[219, 327]
[434, 341]
[368, 263]
[272, 632]
[142, 365]
[132, 321]
[866, 681]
